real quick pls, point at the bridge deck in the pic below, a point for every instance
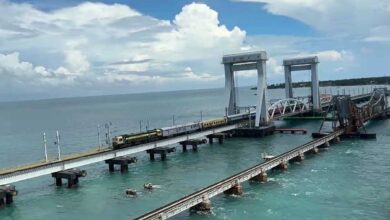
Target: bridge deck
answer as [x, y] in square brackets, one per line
[197, 197]
[40, 168]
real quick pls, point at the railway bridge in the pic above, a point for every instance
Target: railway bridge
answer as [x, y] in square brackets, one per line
[263, 114]
[347, 117]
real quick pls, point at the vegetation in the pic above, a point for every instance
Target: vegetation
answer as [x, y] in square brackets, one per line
[383, 80]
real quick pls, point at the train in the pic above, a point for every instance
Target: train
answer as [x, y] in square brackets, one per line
[128, 140]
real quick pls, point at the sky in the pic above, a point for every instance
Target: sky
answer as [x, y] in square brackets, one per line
[69, 48]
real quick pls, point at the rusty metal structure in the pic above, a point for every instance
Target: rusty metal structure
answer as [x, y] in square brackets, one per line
[347, 114]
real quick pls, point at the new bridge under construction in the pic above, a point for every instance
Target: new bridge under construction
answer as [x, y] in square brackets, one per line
[347, 114]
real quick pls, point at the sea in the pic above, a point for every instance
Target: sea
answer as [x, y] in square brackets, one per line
[349, 180]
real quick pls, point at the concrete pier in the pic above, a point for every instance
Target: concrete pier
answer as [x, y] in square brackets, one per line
[262, 177]
[235, 190]
[122, 161]
[204, 206]
[314, 150]
[336, 140]
[298, 158]
[7, 194]
[72, 175]
[219, 136]
[283, 165]
[255, 131]
[163, 151]
[325, 145]
[193, 142]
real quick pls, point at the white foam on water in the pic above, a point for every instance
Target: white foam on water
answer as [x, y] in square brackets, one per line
[308, 193]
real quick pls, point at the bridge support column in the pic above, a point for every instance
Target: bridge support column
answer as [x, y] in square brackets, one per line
[314, 150]
[298, 64]
[235, 190]
[298, 158]
[204, 206]
[288, 82]
[72, 175]
[219, 136]
[336, 140]
[194, 143]
[241, 62]
[262, 177]
[325, 145]
[7, 193]
[122, 161]
[163, 151]
[283, 165]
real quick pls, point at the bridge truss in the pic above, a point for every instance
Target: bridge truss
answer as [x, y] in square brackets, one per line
[287, 107]
[346, 114]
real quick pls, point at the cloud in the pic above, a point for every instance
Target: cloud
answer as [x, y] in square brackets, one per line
[379, 34]
[13, 70]
[196, 29]
[333, 55]
[349, 18]
[98, 48]
[112, 44]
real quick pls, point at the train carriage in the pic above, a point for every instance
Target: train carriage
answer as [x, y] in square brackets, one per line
[179, 129]
[213, 123]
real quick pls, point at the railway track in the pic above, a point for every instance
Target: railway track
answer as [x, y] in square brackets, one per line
[195, 198]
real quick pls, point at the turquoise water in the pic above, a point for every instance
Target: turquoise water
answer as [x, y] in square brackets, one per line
[350, 180]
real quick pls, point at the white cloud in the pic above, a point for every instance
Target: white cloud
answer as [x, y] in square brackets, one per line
[112, 46]
[197, 29]
[13, 70]
[102, 43]
[349, 18]
[379, 34]
[333, 55]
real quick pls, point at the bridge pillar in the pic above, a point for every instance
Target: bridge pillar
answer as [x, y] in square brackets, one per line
[298, 158]
[283, 165]
[298, 64]
[314, 150]
[325, 145]
[7, 193]
[163, 151]
[262, 177]
[72, 175]
[288, 82]
[241, 62]
[193, 142]
[235, 190]
[204, 206]
[122, 161]
[219, 136]
[336, 140]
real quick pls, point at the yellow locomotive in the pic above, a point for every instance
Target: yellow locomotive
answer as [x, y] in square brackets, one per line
[128, 140]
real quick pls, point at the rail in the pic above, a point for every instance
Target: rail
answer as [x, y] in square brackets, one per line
[19, 173]
[195, 198]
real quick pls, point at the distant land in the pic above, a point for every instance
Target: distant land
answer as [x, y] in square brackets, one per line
[340, 82]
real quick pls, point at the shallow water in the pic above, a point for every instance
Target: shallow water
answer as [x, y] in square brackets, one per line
[349, 180]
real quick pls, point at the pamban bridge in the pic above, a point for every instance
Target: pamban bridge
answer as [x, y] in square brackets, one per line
[347, 115]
